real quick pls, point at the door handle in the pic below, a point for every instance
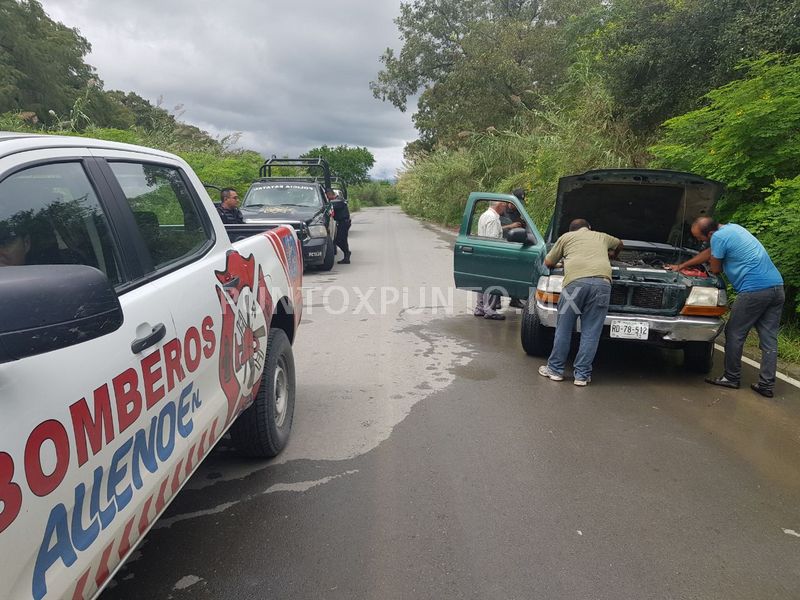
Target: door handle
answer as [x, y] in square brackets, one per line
[466, 249]
[151, 339]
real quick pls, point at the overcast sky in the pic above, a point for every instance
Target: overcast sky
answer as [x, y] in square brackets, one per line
[288, 75]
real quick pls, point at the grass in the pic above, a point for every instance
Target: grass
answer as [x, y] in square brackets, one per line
[788, 342]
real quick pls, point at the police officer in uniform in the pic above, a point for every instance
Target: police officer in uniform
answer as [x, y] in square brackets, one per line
[341, 214]
[228, 207]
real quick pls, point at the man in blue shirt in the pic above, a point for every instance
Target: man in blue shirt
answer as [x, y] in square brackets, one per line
[759, 297]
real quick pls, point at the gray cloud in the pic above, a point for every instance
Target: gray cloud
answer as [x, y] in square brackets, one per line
[287, 75]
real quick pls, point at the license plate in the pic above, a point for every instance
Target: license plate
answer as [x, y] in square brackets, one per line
[630, 330]
[314, 254]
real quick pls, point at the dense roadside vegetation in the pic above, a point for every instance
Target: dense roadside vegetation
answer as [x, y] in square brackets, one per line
[521, 93]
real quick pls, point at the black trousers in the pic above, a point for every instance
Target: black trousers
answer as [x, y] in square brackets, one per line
[342, 229]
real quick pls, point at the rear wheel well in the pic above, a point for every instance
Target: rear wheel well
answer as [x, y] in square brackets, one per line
[283, 317]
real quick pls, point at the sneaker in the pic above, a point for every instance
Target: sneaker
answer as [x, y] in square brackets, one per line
[766, 392]
[723, 382]
[478, 313]
[495, 317]
[545, 371]
[582, 382]
[516, 303]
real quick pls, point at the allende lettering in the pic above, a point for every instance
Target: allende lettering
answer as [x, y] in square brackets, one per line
[115, 406]
[68, 531]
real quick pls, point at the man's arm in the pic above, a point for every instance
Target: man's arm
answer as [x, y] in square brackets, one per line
[556, 254]
[715, 265]
[616, 247]
[698, 259]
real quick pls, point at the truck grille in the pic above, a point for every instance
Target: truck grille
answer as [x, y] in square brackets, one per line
[640, 296]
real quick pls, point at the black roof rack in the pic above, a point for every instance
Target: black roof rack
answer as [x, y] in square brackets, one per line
[306, 163]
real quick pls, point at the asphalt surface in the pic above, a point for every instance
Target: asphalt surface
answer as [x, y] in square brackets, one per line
[428, 459]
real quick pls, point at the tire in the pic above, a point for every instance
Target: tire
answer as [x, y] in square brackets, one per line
[330, 256]
[263, 429]
[698, 356]
[537, 340]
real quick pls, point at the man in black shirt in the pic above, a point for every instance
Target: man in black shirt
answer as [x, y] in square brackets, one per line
[511, 220]
[341, 214]
[228, 208]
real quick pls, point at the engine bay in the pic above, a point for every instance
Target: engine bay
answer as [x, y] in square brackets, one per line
[652, 259]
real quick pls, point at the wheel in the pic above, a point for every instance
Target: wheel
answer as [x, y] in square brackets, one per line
[698, 356]
[537, 340]
[330, 256]
[262, 430]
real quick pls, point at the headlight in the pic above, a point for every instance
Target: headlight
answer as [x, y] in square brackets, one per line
[706, 302]
[548, 289]
[551, 283]
[317, 231]
[703, 296]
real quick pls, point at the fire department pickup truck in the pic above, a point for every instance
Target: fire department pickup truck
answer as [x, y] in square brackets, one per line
[133, 335]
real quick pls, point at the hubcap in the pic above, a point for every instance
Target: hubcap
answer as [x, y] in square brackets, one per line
[280, 385]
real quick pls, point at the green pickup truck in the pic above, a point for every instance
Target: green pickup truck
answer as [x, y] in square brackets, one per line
[652, 212]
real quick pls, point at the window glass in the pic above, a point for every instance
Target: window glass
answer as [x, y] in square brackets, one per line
[164, 211]
[282, 194]
[50, 214]
[493, 219]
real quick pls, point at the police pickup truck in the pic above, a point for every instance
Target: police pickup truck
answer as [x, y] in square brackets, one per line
[133, 335]
[651, 211]
[298, 201]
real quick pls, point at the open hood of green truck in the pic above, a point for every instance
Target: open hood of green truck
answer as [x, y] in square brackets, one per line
[645, 205]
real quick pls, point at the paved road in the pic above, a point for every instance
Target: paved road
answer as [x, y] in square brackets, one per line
[429, 460]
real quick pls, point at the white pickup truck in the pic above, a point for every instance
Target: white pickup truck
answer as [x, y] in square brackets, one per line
[133, 335]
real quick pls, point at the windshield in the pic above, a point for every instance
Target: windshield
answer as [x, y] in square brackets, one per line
[290, 194]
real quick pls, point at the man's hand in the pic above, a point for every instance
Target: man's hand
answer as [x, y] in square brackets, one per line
[674, 268]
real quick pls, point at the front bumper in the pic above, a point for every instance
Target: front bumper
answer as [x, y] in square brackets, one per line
[662, 329]
[314, 250]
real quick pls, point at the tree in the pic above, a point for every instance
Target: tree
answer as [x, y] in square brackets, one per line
[660, 57]
[41, 61]
[746, 137]
[479, 63]
[353, 164]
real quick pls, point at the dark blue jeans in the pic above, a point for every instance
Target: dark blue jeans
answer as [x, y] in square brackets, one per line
[762, 310]
[588, 298]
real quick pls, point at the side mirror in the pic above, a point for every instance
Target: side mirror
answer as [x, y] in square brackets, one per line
[521, 236]
[49, 307]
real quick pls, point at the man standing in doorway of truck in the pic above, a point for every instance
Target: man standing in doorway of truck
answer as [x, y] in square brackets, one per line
[759, 298]
[585, 292]
[489, 226]
[341, 214]
[511, 220]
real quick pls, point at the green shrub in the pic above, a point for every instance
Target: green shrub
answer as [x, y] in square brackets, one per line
[375, 193]
[776, 223]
